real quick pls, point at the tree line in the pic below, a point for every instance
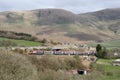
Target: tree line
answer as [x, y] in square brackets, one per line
[16, 35]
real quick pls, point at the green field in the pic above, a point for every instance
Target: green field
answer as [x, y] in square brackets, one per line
[110, 72]
[108, 44]
[23, 42]
[106, 61]
[112, 44]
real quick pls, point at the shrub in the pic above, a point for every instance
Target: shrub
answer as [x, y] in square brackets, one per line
[50, 62]
[7, 43]
[53, 75]
[16, 67]
[55, 63]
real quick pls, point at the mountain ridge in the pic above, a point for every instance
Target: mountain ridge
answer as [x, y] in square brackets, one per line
[64, 26]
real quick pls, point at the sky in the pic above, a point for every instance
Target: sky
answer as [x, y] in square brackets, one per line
[76, 6]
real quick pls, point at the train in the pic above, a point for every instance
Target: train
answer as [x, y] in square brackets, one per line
[38, 52]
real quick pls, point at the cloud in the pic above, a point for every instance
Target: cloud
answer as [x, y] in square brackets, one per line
[77, 6]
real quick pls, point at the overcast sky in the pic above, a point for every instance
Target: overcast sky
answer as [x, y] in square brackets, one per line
[76, 6]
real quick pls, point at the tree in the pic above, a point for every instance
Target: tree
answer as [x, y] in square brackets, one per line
[44, 40]
[104, 52]
[98, 48]
[101, 51]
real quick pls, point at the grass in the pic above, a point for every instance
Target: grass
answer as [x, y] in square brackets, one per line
[106, 61]
[109, 44]
[110, 72]
[113, 43]
[23, 42]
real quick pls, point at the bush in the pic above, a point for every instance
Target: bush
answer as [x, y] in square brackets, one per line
[7, 43]
[26, 67]
[53, 75]
[73, 63]
[55, 63]
[16, 67]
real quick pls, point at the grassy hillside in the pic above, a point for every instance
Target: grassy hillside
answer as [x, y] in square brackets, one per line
[49, 23]
[113, 43]
[22, 42]
[108, 44]
[15, 66]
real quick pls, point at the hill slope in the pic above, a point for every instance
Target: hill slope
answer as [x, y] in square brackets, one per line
[62, 25]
